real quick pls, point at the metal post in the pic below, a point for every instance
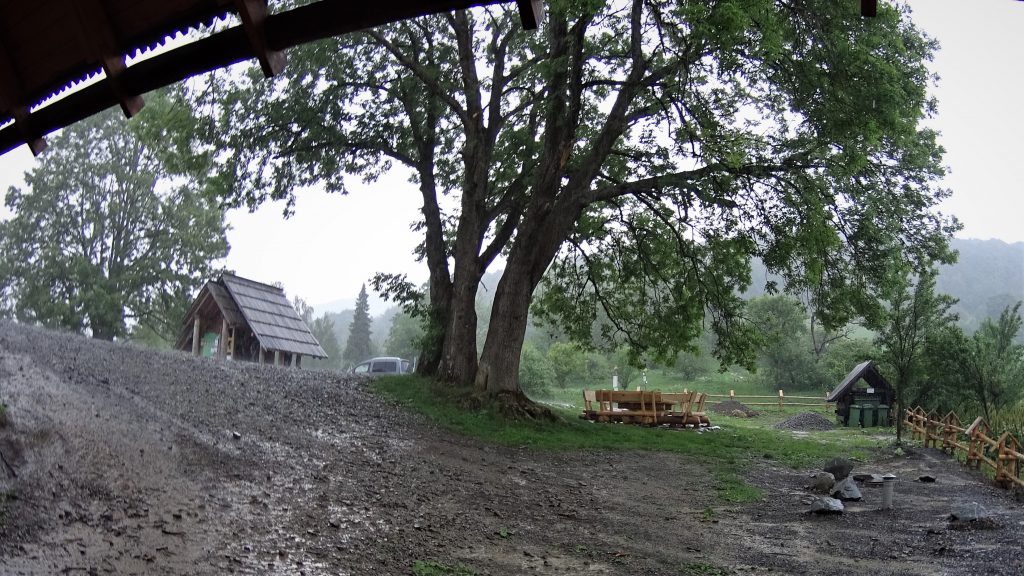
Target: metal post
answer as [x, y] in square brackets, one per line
[888, 486]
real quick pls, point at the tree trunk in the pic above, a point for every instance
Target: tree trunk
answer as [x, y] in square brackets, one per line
[541, 234]
[459, 357]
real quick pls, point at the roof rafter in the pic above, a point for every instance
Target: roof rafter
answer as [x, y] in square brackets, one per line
[96, 33]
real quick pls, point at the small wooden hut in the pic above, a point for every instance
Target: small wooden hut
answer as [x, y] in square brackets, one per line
[863, 387]
[246, 320]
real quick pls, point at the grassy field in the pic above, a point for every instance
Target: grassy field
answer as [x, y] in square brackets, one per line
[740, 440]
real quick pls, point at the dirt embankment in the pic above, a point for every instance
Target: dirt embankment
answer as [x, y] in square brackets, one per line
[130, 461]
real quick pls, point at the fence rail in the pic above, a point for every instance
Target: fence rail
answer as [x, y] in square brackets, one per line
[977, 442]
[780, 401]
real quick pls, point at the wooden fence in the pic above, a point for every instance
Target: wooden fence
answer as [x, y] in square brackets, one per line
[977, 442]
[780, 401]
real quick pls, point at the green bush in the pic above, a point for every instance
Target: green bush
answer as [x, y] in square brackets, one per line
[536, 375]
[1009, 419]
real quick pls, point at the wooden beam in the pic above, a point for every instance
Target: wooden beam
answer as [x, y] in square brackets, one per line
[277, 358]
[253, 14]
[869, 8]
[97, 36]
[222, 344]
[196, 336]
[531, 13]
[12, 102]
[307, 23]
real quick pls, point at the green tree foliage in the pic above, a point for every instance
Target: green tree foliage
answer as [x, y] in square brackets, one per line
[323, 329]
[845, 354]
[637, 154]
[359, 345]
[535, 371]
[569, 363]
[914, 314]
[102, 235]
[785, 356]
[405, 337]
[988, 365]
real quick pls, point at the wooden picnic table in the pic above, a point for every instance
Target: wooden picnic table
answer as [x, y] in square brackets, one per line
[648, 407]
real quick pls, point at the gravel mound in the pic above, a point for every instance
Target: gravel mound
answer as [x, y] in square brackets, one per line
[733, 408]
[806, 421]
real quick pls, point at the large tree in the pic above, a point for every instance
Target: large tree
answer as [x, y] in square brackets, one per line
[913, 315]
[103, 235]
[637, 152]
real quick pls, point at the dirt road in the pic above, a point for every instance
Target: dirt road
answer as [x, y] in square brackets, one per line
[131, 461]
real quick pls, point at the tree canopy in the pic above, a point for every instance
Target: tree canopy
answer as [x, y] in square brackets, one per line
[634, 155]
[102, 235]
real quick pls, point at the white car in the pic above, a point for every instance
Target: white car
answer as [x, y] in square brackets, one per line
[383, 365]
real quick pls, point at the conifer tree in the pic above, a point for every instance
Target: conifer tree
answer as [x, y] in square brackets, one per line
[359, 345]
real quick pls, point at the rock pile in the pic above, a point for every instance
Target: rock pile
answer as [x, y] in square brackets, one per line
[806, 421]
[734, 408]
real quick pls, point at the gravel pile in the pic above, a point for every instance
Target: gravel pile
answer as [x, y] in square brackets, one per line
[733, 408]
[806, 421]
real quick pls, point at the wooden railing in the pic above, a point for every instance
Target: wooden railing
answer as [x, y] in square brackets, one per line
[976, 442]
[780, 401]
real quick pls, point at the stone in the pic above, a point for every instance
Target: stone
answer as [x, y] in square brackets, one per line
[822, 482]
[839, 467]
[846, 490]
[926, 478]
[826, 505]
[968, 512]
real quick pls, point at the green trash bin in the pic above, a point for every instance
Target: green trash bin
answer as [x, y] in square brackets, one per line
[855, 416]
[883, 415]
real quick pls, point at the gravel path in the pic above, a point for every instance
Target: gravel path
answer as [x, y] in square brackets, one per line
[131, 461]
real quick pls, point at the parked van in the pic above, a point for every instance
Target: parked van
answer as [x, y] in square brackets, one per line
[383, 365]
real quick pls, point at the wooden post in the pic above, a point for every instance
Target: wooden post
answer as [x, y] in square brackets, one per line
[732, 394]
[295, 360]
[780, 399]
[261, 355]
[277, 357]
[231, 344]
[222, 346]
[196, 334]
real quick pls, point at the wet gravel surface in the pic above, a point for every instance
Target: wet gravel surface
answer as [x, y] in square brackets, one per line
[806, 421]
[130, 461]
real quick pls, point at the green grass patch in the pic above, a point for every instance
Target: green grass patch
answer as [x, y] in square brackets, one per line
[724, 452]
[431, 568]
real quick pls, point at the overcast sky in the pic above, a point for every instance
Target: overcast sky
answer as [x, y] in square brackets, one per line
[333, 244]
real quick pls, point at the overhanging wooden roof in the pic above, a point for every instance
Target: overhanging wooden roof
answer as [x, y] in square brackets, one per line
[866, 370]
[49, 46]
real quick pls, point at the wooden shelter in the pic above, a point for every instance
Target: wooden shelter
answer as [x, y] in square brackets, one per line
[246, 320]
[863, 386]
[49, 47]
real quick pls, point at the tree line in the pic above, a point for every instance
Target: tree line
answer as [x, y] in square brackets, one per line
[626, 163]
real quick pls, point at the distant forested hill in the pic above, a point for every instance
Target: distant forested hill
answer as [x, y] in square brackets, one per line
[988, 276]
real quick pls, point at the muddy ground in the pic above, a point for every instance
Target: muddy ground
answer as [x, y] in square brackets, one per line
[130, 461]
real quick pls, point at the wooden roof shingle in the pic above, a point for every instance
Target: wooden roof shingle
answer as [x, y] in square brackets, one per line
[271, 317]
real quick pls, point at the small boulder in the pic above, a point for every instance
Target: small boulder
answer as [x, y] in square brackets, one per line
[968, 512]
[846, 490]
[926, 478]
[826, 505]
[822, 482]
[839, 467]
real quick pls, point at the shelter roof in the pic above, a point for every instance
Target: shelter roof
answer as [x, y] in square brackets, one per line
[48, 47]
[271, 317]
[866, 370]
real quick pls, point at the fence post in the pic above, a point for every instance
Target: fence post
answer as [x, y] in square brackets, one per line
[780, 399]
[732, 394]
